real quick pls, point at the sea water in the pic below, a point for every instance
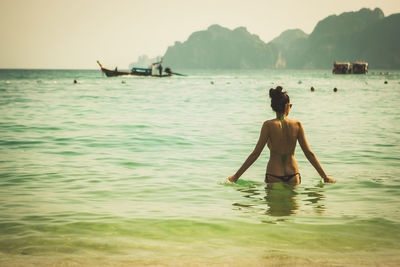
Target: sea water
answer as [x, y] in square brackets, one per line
[129, 171]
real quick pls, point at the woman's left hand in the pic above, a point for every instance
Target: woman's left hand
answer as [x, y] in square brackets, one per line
[328, 179]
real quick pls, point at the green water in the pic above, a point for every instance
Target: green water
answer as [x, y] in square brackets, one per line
[129, 170]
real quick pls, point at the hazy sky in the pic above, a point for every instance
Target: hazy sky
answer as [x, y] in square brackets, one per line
[75, 33]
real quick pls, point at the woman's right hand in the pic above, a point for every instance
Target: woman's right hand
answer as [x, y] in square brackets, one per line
[231, 179]
[328, 179]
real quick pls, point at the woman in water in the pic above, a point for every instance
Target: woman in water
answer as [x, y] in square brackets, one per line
[281, 135]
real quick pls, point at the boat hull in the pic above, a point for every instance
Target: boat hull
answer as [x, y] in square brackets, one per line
[139, 72]
[113, 73]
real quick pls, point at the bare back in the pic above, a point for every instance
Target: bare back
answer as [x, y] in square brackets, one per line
[281, 136]
[281, 140]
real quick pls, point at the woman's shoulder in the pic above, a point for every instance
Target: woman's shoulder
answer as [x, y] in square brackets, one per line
[294, 121]
[296, 124]
[270, 122]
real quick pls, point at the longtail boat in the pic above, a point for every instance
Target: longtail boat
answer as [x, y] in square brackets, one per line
[156, 71]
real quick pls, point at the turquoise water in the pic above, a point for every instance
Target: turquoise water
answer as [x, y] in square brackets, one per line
[129, 170]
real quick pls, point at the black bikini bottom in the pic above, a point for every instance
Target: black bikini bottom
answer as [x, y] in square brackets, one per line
[284, 178]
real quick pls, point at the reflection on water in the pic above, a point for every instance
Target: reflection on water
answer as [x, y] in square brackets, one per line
[280, 199]
[314, 197]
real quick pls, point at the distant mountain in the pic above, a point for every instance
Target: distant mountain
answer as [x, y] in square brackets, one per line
[363, 35]
[380, 45]
[288, 37]
[221, 48]
[290, 44]
[338, 38]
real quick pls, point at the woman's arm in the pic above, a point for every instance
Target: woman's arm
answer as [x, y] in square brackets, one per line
[262, 140]
[311, 156]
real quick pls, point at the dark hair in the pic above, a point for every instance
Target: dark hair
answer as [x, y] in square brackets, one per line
[278, 99]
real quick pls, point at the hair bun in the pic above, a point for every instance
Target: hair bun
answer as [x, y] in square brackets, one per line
[277, 92]
[278, 99]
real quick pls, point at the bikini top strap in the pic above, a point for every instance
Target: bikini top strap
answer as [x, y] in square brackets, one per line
[281, 119]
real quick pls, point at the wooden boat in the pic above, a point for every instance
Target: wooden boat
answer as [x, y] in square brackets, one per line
[341, 68]
[360, 67]
[137, 72]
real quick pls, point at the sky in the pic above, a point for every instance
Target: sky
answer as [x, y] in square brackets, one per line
[73, 34]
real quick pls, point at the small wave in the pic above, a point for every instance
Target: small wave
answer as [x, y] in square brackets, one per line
[18, 143]
[89, 96]
[385, 145]
[134, 164]
[140, 126]
[63, 139]
[66, 153]
[21, 127]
